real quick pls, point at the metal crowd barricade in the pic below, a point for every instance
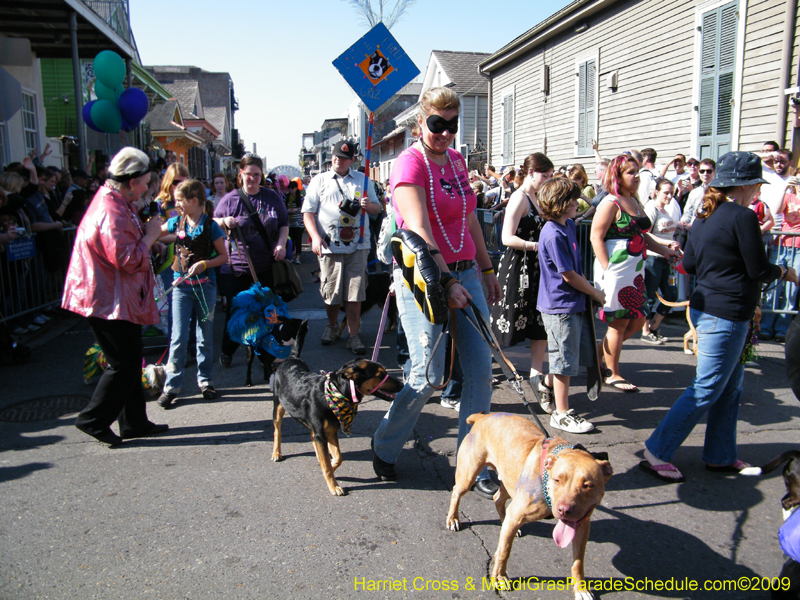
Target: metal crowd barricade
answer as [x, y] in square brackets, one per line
[26, 286]
[782, 249]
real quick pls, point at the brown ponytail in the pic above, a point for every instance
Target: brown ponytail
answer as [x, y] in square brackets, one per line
[712, 200]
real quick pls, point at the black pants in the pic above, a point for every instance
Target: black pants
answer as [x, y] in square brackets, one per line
[236, 284]
[296, 235]
[119, 394]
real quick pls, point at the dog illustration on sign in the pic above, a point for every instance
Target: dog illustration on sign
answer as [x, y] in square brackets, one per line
[376, 67]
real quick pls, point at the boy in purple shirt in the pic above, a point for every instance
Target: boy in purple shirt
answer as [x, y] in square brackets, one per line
[562, 298]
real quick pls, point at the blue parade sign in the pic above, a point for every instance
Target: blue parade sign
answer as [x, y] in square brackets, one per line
[20, 249]
[376, 67]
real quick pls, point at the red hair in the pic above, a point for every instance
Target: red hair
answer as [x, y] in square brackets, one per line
[612, 180]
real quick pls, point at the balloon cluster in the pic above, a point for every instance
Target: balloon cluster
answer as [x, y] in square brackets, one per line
[115, 108]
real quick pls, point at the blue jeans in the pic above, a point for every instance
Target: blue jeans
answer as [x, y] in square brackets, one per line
[656, 277]
[717, 388]
[185, 298]
[474, 355]
[783, 296]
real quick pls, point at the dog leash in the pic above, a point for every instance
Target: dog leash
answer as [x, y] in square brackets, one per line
[379, 339]
[479, 322]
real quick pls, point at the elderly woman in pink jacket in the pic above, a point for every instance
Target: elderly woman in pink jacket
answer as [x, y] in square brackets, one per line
[110, 281]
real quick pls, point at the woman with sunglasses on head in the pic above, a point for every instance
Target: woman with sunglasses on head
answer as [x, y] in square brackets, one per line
[726, 253]
[232, 211]
[432, 197]
[515, 318]
[619, 237]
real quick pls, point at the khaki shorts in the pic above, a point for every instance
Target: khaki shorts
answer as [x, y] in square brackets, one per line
[343, 277]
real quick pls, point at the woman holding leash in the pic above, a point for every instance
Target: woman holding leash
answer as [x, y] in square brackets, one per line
[110, 280]
[235, 209]
[432, 197]
[727, 255]
[619, 237]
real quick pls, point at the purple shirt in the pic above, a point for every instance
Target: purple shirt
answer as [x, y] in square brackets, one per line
[558, 253]
[273, 215]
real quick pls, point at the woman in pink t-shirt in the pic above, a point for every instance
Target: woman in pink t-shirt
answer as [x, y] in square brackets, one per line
[432, 197]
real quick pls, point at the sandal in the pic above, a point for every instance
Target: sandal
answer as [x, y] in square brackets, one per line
[734, 468]
[621, 384]
[657, 470]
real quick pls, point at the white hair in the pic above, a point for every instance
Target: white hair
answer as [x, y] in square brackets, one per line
[127, 161]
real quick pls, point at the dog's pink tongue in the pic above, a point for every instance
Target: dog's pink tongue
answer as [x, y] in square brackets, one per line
[564, 533]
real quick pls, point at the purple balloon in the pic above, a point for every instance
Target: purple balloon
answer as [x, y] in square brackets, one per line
[87, 116]
[133, 104]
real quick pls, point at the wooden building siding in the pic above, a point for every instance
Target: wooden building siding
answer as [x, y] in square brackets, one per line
[651, 45]
[761, 72]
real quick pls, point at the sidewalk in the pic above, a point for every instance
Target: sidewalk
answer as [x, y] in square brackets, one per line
[203, 513]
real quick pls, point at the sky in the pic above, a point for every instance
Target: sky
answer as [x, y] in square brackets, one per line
[280, 53]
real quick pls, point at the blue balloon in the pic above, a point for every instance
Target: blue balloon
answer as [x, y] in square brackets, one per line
[133, 104]
[87, 116]
[127, 126]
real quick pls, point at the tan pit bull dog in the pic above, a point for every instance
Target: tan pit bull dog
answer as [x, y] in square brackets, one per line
[557, 480]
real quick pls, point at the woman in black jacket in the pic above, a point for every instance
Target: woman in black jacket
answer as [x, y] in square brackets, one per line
[727, 255]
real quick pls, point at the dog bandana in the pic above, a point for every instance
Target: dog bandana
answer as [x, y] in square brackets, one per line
[564, 532]
[343, 407]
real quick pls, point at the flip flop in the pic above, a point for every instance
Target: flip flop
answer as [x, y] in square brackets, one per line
[734, 468]
[619, 383]
[656, 471]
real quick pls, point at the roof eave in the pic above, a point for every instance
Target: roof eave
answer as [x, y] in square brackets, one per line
[553, 25]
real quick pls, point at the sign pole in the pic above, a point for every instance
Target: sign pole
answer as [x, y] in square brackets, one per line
[365, 193]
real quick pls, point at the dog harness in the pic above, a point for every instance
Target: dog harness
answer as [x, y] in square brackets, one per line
[545, 473]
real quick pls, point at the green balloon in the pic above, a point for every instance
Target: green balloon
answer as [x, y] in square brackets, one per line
[106, 116]
[109, 68]
[104, 93]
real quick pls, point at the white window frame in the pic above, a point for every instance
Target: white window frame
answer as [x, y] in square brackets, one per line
[28, 131]
[505, 93]
[737, 72]
[579, 60]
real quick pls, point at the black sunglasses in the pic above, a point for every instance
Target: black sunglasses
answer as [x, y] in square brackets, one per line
[706, 170]
[437, 124]
[692, 164]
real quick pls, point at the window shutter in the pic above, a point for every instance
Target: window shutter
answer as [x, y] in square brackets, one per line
[591, 88]
[582, 109]
[508, 129]
[718, 58]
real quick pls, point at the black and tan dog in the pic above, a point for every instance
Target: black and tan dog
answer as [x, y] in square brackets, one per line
[542, 478]
[284, 334]
[790, 503]
[325, 403]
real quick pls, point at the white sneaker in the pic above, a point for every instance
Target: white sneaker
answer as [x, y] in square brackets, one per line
[41, 320]
[454, 404]
[570, 422]
[33, 328]
[330, 334]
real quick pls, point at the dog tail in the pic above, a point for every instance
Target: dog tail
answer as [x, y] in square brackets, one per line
[476, 417]
[771, 465]
[672, 304]
[297, 348]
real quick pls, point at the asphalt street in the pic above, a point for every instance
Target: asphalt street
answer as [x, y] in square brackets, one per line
[203, 513]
